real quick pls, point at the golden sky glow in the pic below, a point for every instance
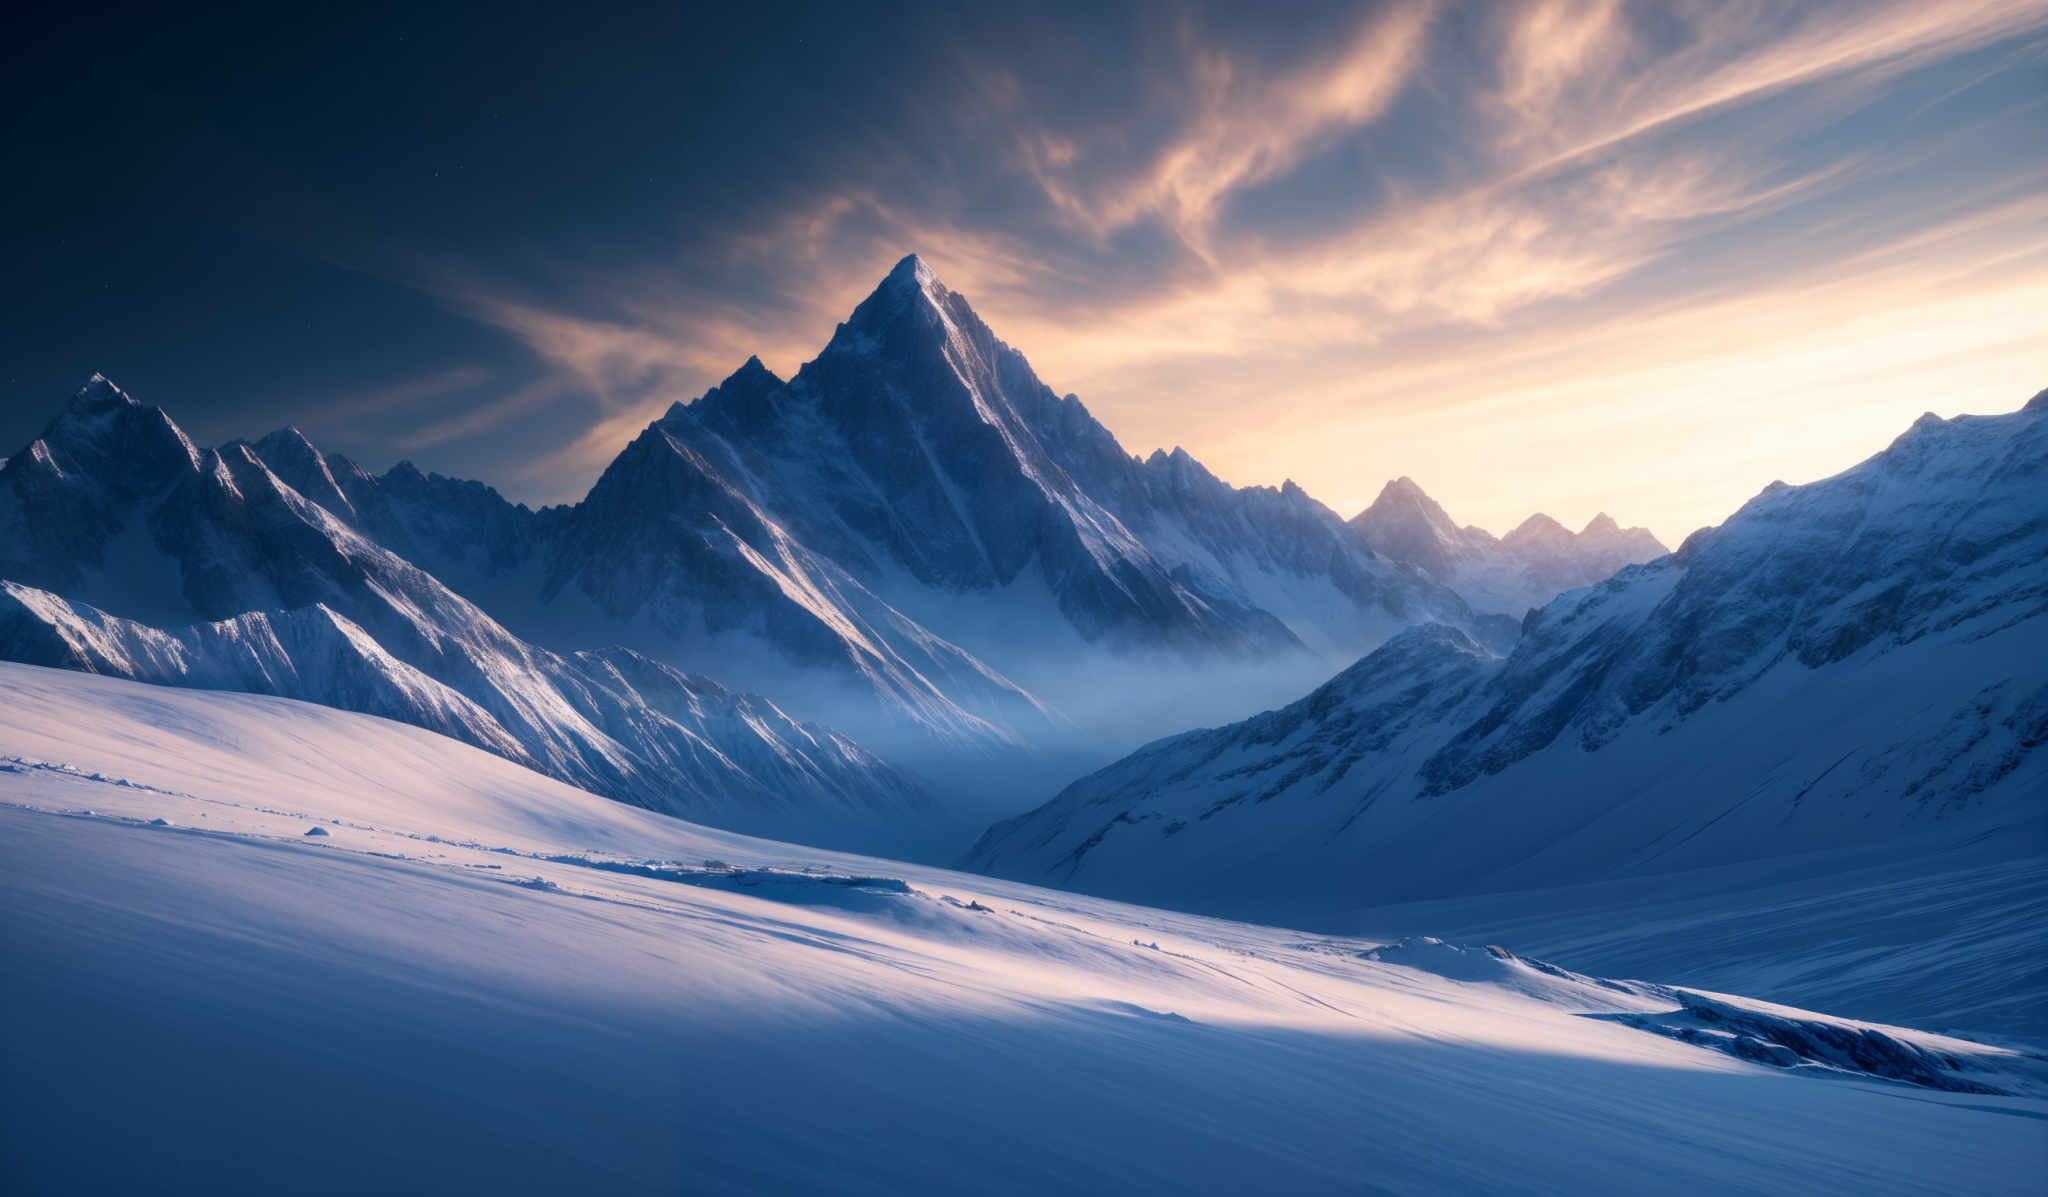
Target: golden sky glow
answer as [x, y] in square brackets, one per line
[1570, 256]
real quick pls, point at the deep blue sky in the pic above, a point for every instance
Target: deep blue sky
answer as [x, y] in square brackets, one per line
[1558, 255]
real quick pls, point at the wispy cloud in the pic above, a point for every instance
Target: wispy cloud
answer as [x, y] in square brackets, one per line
[1241, 127]
[405, 394]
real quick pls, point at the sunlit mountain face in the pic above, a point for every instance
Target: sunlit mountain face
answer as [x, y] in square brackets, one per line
[1409, 597]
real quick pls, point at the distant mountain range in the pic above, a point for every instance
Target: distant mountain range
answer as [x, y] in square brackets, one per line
[912, 540]
[1862, 661]
[1512, 574]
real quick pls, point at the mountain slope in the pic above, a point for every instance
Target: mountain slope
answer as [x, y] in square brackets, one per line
[1862, 660]
[1525, 569]
[204, 568]
[478, 978]
[665, 555]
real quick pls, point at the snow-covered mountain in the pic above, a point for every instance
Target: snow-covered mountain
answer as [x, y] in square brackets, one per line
[922, 455]
[287, 948]
[128, 550]
[1862, 661]
[1511, 574]
[916, 540]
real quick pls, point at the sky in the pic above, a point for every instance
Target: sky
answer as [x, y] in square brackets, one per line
[1560, 255]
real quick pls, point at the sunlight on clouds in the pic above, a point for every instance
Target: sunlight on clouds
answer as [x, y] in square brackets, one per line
[1601, 273]
[1242, 129]
[1718, 70]
[1676, 419]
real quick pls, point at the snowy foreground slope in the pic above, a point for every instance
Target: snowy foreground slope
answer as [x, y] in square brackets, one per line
[1855, 666]
[479, 979]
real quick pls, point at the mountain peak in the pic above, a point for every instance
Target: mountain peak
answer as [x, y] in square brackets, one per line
[99, 394]
[1601, 525]
[1405, 495]
[1404, 490]
[1404, 524]
[105, 431]
[743, 396]
[1537, 527]
[908, 311]
[751, 376]
[287, 439]
[909, 279]
[913, 271]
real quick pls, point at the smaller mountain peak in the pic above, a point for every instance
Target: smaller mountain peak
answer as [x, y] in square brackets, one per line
[1602, 525]
[286, 439]
[1537, 527]
[404, 471]
[1404, 491]
[340, 465]
[100, 394]
[1180, 467]
[743, 396]
[1405, 495]
[238, 452]
[751, 374]
[2038, 404]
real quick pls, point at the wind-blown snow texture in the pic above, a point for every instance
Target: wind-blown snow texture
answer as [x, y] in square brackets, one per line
[1862, 661]
[1528, 567]
[482, 980]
